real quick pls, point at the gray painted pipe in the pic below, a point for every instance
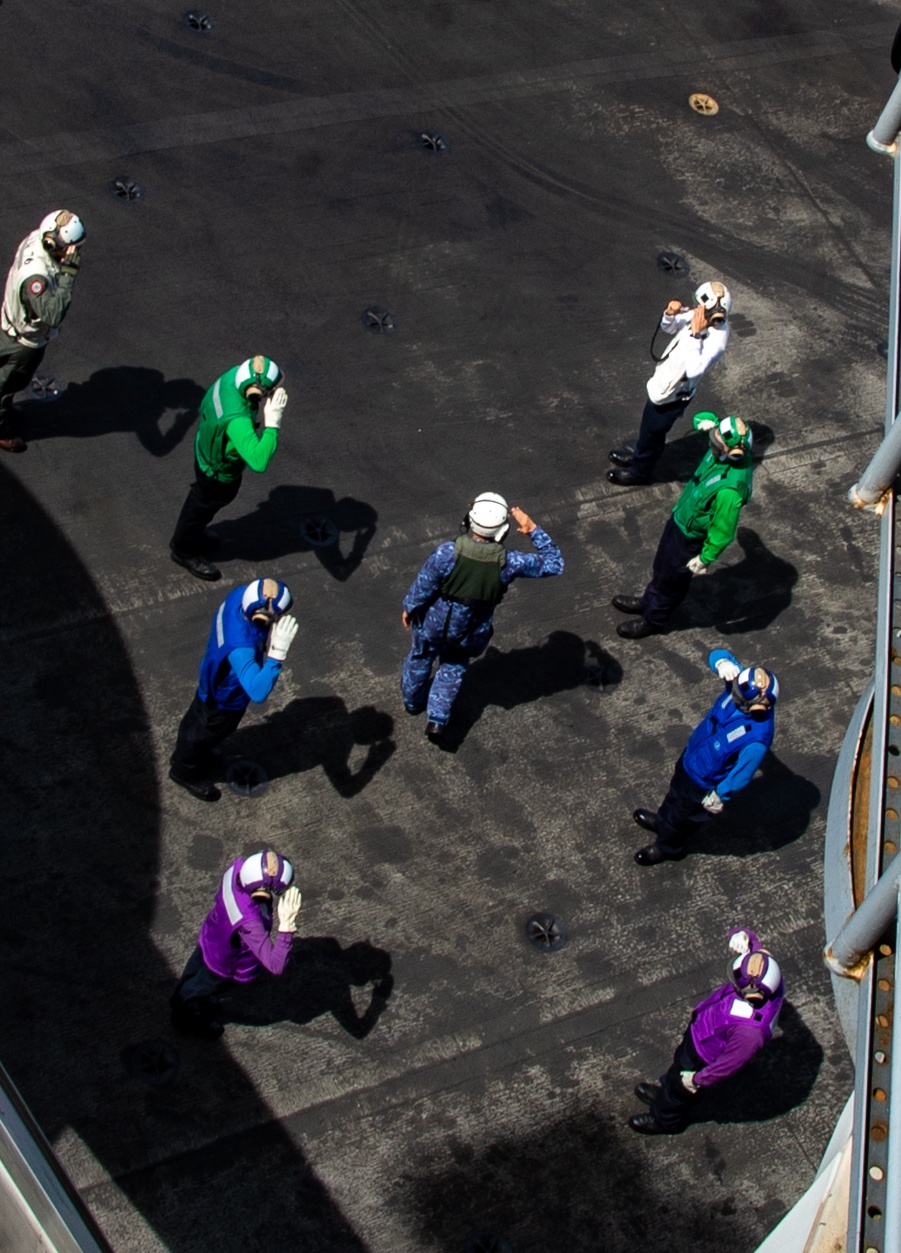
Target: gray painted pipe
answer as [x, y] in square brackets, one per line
[882, 471]
[847, 953]
[883, 135]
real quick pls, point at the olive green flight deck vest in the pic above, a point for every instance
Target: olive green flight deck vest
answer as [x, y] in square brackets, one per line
[476, 576]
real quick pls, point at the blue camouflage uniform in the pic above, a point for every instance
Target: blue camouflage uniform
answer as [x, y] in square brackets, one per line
[722, 755]
[453, 633]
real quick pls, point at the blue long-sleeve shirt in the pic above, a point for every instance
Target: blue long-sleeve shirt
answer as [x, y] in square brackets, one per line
[727, 748]
[256, 677]
[468, 627]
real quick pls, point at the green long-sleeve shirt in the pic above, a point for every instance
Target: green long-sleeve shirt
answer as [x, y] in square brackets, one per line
[711, 502]
[227, 439]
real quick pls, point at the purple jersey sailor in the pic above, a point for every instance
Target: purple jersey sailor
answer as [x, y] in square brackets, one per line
[235, 938]
[725, 1031]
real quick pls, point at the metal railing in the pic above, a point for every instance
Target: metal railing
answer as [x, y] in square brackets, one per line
[39, 1206]
[868, 948]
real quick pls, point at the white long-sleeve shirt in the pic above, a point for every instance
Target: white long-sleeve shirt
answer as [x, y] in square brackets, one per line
[686, 358]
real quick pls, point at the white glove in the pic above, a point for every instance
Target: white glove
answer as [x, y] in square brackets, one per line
[688, 1080]
[274, 407]
[706, 425]
[696, 566]
[727, 669]
[712, 803]
[282, 637]
[288, 908]
[740, 943]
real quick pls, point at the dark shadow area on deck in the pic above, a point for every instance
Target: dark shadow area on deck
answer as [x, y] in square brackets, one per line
[559, 663]
[747, 595]
[319, 979]
[773, 810]
[85, 985]
[318, 731]
[160, 411]
[582, 1182]
[297, 519]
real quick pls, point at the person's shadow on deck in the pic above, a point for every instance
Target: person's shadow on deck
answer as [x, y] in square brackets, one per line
[777, 1079]
[747, 596]
[319, 979]
[772, 811]
[317, 731]
[295, 518]
[558, 664]
[119, 398]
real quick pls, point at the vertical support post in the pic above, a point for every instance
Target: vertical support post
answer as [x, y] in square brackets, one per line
[893, 1177]
[883, 138]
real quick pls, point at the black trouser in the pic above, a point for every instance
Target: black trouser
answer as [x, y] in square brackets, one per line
[202, 729]
[206, 497]
[672, 1107]
[198, 982]
[670, 577]
[17, 368]
[680, 812]
[656, 421]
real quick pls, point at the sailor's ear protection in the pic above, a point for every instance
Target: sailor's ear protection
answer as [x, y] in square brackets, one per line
[464, 521]
[716, 313]
[257, 387]
[265, 616]
[716, 316]
[755, 965]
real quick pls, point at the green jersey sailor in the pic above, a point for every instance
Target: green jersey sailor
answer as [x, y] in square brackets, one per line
[701, 526]
[240, 418]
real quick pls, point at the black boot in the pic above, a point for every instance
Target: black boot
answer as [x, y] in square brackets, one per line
[648, 1092]
[198, 566]
[203, 790]
[627, 604]
[637, 629]
[648, 1125]
[653, 856]
[628, 478]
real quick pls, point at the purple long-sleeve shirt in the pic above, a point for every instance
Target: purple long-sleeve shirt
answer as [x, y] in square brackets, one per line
[236, 938]
[727, 1031]
[273, 954]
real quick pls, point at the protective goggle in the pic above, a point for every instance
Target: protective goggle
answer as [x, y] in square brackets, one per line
[755, 976]
[724, 451]
[265, 615]
[757, 704]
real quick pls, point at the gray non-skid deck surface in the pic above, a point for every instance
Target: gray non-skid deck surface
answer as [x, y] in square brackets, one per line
[285, 191]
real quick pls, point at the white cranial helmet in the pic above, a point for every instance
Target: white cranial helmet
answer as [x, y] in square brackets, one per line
[488, 516]
[716, 299]
[65, 227]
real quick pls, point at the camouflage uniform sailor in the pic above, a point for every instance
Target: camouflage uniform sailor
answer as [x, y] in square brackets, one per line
[450, 605]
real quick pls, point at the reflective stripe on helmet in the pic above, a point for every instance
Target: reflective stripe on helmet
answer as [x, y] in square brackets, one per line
[251, 873]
